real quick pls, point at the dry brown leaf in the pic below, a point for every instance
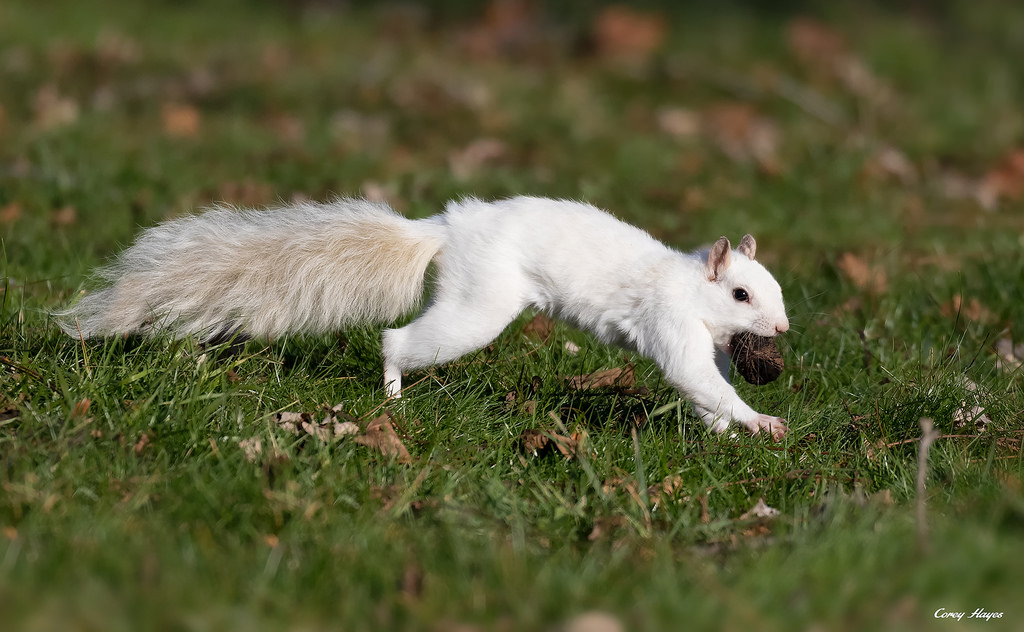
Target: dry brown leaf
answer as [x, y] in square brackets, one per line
[1008, 355]
[288, 128]
[508, 28]
[374, 192]
[53, 110]
[64, 216]
[622, 377]
[252, 448]
[617, 483]
[822, 48]
[889, 163]
[604, 526]
[1004, 181]
[882, 497]
[760, 510]
[358, 132]
[81, 408]
[465, 162]
[972, 309]
[813, 42]
[626, 34]
[412, 582]
[10, 213]
[863, 276]
[180, 120]
[247, 192]
[970, 417]
[743, 134]
[874, 449]
[669, 489]
[595, 621]
[380, 435]
[678, 122]
[141, 444]
[536, 442]
[292, 422]
[322, 432]
[539, 327]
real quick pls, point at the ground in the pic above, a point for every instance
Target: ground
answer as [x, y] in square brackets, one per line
[876, 154]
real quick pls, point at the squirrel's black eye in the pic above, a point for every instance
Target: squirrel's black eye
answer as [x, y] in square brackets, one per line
[740, 295]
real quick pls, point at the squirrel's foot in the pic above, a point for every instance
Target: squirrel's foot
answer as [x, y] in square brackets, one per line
[775, 426]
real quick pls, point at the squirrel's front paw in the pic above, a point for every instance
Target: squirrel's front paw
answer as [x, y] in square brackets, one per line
[776, 426]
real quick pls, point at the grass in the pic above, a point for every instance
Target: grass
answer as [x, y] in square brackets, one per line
[126, 501]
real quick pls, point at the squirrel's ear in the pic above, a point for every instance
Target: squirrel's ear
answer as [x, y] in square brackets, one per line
[748, 246]
[718, 258]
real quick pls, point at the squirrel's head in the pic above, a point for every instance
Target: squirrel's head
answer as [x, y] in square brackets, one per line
[744, 296]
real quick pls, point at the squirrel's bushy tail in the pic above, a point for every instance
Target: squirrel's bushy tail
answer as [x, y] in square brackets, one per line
[307, 267]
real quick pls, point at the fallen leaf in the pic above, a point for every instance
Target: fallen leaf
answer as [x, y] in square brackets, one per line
[617, 377]
[380, 435]
[465, 162]
[247, 192]
[813, 42]
[374, 192]
[679, 122]
[252, 448]
[882, 497]
[1008, 355]
[10, 213]
[622, 33]
[864, 277]
[358, 132]
[1004, 181]
[292, 422]
[669, 489]
[288, 128]
[141, 444]
[618, 483]
[743, 134]
[412, 582]
[508, 28]
[538, 442]
[972, 309]
[605, 526]
[345, 428]
[760, 510]
[889, 163]
[53, 110]
[64, 216]
[180, 120]
[323, 432]
[81, 408]
[595, 621]
[534, 441]
[539, 327]
[822, 48]
[970, 417]
[571, 347]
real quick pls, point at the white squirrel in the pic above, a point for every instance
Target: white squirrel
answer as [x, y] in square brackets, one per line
[314, 268]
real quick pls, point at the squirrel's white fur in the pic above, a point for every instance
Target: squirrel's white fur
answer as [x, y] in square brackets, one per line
[320, 267]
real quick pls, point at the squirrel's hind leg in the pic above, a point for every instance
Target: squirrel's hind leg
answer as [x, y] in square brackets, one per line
[448, 329]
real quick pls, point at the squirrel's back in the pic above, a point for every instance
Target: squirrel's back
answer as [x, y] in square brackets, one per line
[307, 267]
